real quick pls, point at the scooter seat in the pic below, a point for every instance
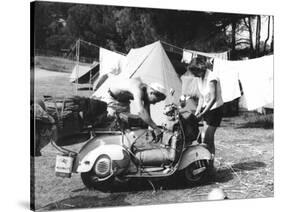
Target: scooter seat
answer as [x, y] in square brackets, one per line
[132, 121]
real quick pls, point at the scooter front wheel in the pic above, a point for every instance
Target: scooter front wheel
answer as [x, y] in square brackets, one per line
[198, 172]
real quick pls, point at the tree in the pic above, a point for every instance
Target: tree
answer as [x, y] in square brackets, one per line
[252, 25]
[268, 34]
[123, 28]
[258, 36]
[46, 20]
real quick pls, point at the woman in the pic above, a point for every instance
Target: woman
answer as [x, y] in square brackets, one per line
[210, 101]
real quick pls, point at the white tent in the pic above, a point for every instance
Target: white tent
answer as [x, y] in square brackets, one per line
[151, 64]
[110, 62]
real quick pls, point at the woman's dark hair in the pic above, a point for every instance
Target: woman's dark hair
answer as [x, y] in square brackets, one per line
[197, 64]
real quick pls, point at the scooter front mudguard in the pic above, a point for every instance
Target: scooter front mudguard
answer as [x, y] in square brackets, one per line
[192, 154]
[108, 145]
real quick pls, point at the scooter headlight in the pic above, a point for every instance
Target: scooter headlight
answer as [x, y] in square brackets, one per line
[102, 166]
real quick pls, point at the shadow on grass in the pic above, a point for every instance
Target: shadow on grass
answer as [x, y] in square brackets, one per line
[256, 125]
[171, 183]
[222, 175]
[82, 201]
[117, 197]
[258, 121]
[248, 166]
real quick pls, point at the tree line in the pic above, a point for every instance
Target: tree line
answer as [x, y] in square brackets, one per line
[58, 25]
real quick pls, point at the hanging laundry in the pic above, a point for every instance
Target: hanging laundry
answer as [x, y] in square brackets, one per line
[228, 75]
[221, 55]
[186, 57]
[256, 76]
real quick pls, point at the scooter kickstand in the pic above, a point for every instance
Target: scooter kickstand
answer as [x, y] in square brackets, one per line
[153, 187]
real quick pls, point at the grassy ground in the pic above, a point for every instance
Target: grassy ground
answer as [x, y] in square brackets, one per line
[57, 64]
[244, 162]
[55, 84]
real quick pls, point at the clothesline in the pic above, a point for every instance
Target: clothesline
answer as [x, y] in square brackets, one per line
[176, 47]
[181, 50]
[92, 44]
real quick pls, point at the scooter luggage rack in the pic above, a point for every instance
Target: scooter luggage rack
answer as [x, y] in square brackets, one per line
[63, 150]
[106, 131]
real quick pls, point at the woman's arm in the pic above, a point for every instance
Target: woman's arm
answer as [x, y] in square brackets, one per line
[199, 106]
[213, 97]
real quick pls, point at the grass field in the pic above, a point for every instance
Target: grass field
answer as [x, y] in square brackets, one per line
[55, 64]
[55, 84]
[244, 162]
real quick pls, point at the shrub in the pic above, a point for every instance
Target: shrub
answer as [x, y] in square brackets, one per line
[259, 121]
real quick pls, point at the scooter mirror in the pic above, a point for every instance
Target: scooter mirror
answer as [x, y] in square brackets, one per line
[183, 101]
[172, 91]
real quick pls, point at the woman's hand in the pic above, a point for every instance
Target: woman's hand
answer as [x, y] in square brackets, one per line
[158, 134]
[199, 116]
[196, 113]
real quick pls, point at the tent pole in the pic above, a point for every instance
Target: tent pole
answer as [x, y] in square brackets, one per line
[77, 64]
[90, 81]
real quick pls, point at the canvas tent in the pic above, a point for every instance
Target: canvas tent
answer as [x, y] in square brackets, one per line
[83, 74]
[151, 64]
[110, 62]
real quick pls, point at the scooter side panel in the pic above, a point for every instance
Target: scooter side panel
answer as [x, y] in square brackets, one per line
[192, 154]
[94, 147]
[115, 152]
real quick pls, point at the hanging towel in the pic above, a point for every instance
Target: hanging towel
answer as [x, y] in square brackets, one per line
[186, 57]
[256, 76]
[228, 75]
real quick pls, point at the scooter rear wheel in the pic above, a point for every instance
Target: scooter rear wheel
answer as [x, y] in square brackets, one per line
[90, 181]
